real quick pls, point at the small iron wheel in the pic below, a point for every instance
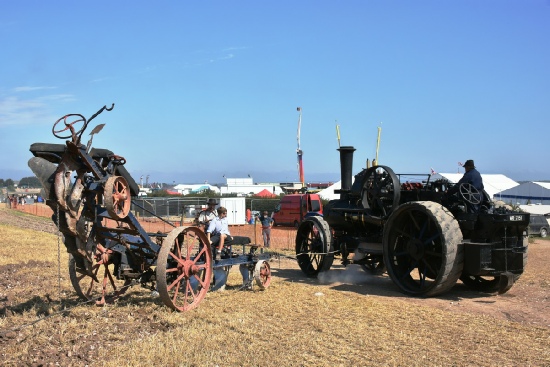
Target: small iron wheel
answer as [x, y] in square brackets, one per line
[314, 246]
[423, 249]
[107, 288]
[117, 197]
[262, 274]
[184, 268]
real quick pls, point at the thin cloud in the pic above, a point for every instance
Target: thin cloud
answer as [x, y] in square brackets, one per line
[99, 80]
[31, 89]
[36, 111]
[235, 48]
[227, 55]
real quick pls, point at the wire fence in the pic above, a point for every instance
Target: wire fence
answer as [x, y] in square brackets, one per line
[187, 208]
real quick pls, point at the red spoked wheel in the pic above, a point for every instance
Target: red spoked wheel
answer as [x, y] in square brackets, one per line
[184, 268]
[262, 274]
[106, 289]
[117, 197]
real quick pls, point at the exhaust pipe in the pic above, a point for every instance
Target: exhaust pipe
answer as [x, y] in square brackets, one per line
[346, 167]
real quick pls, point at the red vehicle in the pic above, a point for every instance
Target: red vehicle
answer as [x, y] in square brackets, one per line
[293, 208]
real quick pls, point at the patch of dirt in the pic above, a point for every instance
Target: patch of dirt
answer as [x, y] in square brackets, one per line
[18, 218]
[527, 302]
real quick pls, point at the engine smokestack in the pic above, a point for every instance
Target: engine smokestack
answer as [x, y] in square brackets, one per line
[346, 166]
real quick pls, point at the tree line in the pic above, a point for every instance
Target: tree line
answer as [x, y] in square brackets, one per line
[27, 182]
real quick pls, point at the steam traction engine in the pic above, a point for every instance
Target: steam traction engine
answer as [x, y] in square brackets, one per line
[425, 239]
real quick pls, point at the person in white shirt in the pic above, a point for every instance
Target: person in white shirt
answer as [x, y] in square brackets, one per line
[218, 230]
[207, 215]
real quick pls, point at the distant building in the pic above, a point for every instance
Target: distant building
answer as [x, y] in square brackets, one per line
[527, 193]
[186, 189]
[246, 186]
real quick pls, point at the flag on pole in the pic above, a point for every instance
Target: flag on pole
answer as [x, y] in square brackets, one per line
[433, 172]
[460, 164]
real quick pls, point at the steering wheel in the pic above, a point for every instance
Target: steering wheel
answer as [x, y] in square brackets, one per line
[69, 126]
[470, 194]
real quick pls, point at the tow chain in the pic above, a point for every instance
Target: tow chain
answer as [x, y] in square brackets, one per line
[58, 256]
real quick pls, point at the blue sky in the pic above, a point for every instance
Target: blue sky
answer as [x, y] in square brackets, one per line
[206, 89]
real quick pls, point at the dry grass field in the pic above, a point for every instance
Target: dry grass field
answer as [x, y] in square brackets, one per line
[353, 319]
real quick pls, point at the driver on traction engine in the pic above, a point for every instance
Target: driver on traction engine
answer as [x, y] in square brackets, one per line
[471, 176]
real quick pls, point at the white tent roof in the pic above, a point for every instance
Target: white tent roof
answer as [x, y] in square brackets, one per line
[328, 193]
[546, 185]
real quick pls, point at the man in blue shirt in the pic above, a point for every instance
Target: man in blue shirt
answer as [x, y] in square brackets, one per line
[267, 223]
[472, 177]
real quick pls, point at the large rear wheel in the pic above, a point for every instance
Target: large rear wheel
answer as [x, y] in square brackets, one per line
[314, 246]
[184, 268]
[422, 248]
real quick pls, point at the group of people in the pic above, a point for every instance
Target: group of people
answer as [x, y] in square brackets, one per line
[13, 200]
[214, 222]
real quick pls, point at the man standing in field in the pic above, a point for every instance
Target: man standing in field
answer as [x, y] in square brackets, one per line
[267, 223]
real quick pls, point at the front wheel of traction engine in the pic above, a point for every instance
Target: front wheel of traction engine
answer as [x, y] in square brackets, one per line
[184, 268]
[314, 246]
[423, 249]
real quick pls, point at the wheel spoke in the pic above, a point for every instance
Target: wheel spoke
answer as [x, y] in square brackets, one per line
[177, 258]
[177, 281]
[428, 265]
